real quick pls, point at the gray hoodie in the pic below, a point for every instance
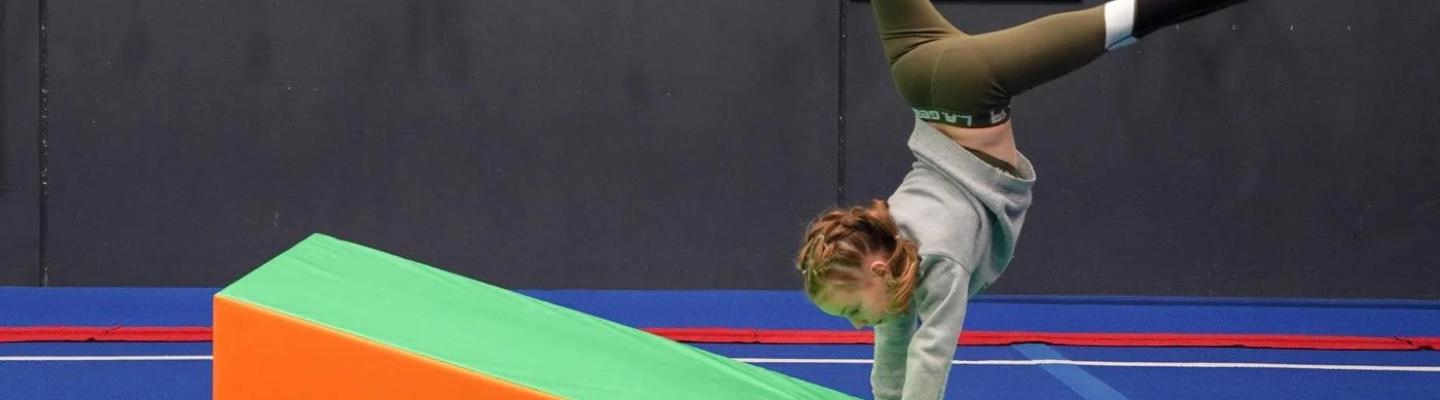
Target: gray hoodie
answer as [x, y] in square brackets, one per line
[965, 215]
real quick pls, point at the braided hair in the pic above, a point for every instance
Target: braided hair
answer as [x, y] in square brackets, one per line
[839, 239]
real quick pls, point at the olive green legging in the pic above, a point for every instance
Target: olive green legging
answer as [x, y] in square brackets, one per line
[951, 77]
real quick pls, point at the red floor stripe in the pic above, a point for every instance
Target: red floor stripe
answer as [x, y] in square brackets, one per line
[777, 336]
[996, 338]
[104, 334]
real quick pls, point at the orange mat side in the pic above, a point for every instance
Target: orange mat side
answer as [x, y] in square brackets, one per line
[262, 354]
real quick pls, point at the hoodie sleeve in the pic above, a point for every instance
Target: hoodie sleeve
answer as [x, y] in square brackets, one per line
[941, 309]
[892, 341]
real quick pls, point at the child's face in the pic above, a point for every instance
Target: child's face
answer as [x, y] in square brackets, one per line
[863, 302]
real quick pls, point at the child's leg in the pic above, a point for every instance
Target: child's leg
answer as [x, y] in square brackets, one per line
[1036, 52]
[968, 81]
[906, 24]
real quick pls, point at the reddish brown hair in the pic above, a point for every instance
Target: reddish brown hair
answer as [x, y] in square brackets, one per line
[840, 238]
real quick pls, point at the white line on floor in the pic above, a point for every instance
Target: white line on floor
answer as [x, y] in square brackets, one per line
[1129, 364]
[105, 358]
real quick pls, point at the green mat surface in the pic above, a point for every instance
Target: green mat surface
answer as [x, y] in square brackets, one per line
[497, 332]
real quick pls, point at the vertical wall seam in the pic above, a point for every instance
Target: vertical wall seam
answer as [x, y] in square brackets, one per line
[4, 107]
[840, 111]
[44, 146]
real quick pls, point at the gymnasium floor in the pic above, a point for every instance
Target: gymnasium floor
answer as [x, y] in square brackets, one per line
[1120, 370]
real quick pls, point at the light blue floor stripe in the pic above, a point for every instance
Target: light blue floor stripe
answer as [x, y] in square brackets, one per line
[1088, 386]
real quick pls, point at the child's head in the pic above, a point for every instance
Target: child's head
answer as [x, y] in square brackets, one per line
[856, 265]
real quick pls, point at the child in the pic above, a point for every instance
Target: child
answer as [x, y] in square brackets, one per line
[909, 265]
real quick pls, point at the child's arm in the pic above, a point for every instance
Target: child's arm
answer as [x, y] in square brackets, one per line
[941, 309]
[892, 340]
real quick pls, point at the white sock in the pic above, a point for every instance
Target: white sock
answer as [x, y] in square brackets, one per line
[1119, 21]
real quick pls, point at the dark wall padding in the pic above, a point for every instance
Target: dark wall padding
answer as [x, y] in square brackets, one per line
[1278, 148]
[527, 143]
[19, 144]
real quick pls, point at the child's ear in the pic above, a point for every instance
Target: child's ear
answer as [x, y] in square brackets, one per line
[880, 268]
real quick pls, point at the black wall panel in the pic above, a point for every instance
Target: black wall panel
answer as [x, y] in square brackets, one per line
[1279, 148]
[531, 144]
[19, 144]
